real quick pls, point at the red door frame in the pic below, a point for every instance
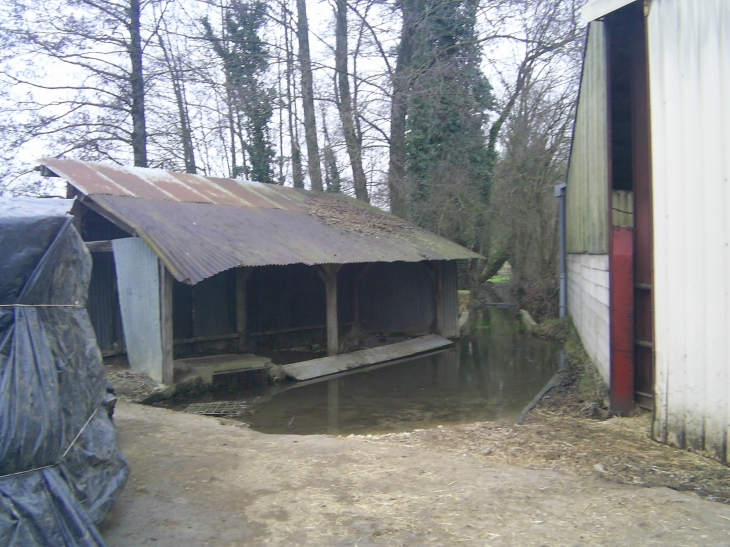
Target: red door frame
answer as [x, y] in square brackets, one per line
[621, 283]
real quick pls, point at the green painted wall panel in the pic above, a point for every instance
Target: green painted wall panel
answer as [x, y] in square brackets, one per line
[587, 190]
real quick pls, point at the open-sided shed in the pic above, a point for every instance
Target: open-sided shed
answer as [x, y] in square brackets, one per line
[190, 265]
[647, 202]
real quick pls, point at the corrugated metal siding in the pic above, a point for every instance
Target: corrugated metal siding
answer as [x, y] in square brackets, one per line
[346, 292]
[587, 189]
[103, 303]
[284, 297]
[291, 297]
[689, 58]
[138, 279]
[214, 305]
[450, 300]
[182, 311]
[623, 208]
[397, 298]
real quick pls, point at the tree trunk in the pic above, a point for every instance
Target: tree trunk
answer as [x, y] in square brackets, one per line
[185, 131]
[296, 153]
[354, 147]
[310, 122]
[331, 172]
[177, 80]
[136, 80]
[398, 110]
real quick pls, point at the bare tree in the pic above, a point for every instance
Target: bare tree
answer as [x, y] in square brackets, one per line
[310, 121]
[344, 103]
[398, 109]
[296, 152]
[100, 45]
[174, 67]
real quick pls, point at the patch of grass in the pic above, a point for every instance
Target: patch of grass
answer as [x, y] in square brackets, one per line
[589, 382]
[499, 279]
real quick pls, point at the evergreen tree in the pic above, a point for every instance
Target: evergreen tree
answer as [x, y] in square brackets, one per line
[448, 101]
[246, 61]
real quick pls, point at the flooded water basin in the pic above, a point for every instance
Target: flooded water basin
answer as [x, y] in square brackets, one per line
[488, 376]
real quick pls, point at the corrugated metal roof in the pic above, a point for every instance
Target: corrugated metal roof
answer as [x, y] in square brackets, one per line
[201, 226]
[117, 180]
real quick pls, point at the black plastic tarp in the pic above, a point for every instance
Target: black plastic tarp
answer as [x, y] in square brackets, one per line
[60, 464]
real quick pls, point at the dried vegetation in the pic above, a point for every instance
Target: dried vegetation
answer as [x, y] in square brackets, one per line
[569, 431]
[344, 215]
[132, 386]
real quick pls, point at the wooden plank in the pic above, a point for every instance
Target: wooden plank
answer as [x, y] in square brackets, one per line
[275, 390]
[212, 338]
[104, 246]
[294, 329]
[331, 365]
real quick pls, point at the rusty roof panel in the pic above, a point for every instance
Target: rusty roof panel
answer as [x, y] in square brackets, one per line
[97, 178]
[202, 226]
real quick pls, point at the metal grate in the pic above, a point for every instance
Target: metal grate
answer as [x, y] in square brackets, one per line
[222, 409]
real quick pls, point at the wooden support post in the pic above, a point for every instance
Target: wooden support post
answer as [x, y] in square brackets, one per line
[166, 335]
[328, 274]
[242, 274]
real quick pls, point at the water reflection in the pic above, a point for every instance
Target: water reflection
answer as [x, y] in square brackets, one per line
[490, 375]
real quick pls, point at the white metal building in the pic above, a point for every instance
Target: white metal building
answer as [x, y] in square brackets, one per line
[648, 199]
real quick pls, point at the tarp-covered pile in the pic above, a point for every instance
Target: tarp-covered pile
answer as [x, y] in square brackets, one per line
[60, 465]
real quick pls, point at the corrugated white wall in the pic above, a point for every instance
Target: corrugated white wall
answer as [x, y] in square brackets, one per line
[588, 306]
[689, 59]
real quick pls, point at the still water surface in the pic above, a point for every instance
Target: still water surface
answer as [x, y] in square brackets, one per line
[489, 376]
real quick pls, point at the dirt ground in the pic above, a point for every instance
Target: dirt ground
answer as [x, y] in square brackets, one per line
[206, 481]
[566, 477]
